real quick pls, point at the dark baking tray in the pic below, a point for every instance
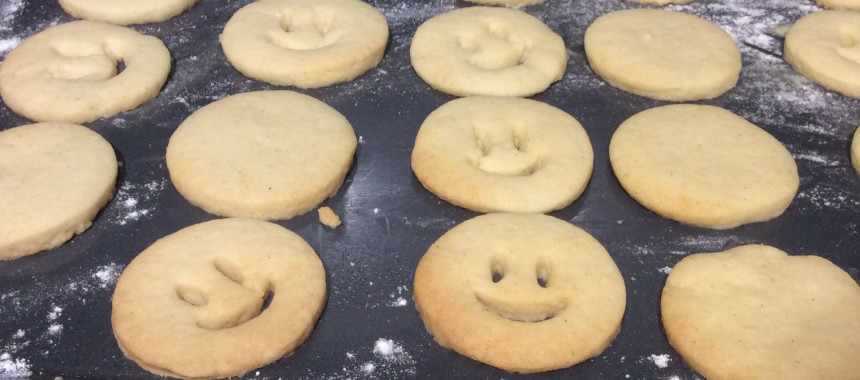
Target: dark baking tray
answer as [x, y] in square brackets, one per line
[55, 306]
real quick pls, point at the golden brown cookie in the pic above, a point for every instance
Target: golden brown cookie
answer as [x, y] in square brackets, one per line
[190, 304]
[753, 312]
[521, 292]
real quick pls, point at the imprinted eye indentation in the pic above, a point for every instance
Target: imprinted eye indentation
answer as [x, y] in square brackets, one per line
[497, 271]
[191, 296]
[542, 274]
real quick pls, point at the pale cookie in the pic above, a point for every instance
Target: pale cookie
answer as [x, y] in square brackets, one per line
[853, 5]
[703, 165]
[69, 73]
[54, 178]
[825, 46]
[507, 3]
[855, 151]
[265, 155]
[491, 154]
[305, 43]
[126, 12]
[327, 217]
[193, 304]
[753, 312]
[663, 54]
[488, 51]
[521, 292]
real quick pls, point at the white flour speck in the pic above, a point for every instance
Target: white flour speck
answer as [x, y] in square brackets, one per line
[661, 361]
[665, 270]
[55, 329]
[55, 313]
[7, 44]
[368, 368]
[19, 334]
[136, 201]
[376, 211]
[399, 302]
[107, 274]
[13, 368]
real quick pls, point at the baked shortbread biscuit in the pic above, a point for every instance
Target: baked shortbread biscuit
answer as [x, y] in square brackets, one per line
[753, 312]
[305, 43]
[855, 151]
[521, 292]
[663, 54]
[192, 304]
[126, 12]
[69, 73]
[823, 46]
[493, 154]
[488, 51]
[853, 5]
[54, 178]
[703, 165]
[265, 155]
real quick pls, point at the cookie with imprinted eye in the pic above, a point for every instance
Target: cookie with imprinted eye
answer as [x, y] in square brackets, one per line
[520, 292]
[54, 179]
[754, 312]
[703, 165]
[497, 154]
[825, 46]
[125, 12]
[218, 299]
[488, 51]
[69, 72]
[663, 54]
[263, 154]
[305, 43]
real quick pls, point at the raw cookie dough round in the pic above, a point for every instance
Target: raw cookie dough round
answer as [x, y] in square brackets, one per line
[521, 292]
[126, 12]
[703, 165]
[853, 5]
[855, 151]
[507, 3]
[68, 72]
[265, 155]
[190, 304]
[54, 178]
[305, 43]
[488, 51]
[492, 154]
[753, 312]
[663, 54]
[825, 46]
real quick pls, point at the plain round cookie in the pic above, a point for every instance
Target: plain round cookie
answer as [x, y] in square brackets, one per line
[488, 51]
[663, 54]
[265, 155]
[125, 12]
[825, 46]
[54, 178]
[855, 151]
[703, 165]
[492, 154]
[69, 73]
[753, 312]
[853, 5]
[520, 292]
[190, 304]
[305, 43]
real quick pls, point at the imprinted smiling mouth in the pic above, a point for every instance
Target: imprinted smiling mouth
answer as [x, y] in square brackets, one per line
[537, 308]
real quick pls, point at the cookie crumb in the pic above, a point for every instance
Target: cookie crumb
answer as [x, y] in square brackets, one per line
[328, 218]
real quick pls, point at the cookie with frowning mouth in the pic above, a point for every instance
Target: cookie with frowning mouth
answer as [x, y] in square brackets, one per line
[520, 292]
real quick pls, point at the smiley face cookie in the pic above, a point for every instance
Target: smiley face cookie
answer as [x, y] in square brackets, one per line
[69, 72]
[521, 292]
[753, 312]
[488, 51]
[825, 46]
[305, 43]
[495, 154]
[190, 304]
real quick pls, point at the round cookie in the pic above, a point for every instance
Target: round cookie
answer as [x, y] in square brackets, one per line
[492, 154]
[855, 151]
[663, 54]
[54, 178]
[488, 51]
[192, 304]
[853, 5]
[521, 292]
[69, 73]
[753, 312]
[126, 12]
[265, 155]
[825, 46]
[305, 43]
[507, 3]
[703, 165]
